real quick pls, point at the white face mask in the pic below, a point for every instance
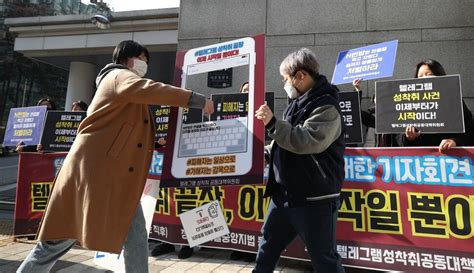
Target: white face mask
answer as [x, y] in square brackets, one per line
[139, 67]
[290, 90]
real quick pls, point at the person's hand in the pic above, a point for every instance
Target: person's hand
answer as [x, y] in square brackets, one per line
[356, 84]
[446, 144]
[39, 148]
[264, 113]
[412, 133]
[208, 107]
[19, 147]
[161, 141]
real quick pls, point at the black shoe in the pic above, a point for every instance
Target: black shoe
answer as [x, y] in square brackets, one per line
[236, 255]
[250, 257]
[185, 252]
[161, 249]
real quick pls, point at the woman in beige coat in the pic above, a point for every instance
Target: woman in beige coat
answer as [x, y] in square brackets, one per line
[95, 197]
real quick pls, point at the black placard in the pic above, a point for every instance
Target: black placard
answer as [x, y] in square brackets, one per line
[433, 105]
[235, 105]
[60, 130]
[160, 115]
[350, 108]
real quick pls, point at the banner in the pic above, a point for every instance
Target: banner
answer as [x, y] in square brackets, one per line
[36, 173]
[368, 63]
[405, 209]
[224, 151]
[349, 102]
[24, 125]
[60, 129]
[431, 104]
[401, 209]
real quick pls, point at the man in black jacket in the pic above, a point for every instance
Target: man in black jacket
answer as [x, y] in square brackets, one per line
[306, 167]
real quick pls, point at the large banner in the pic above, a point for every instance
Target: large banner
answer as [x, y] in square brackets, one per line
[401, 209]
[405, 209]
[36, 173]
[431, 104]
[207, 151]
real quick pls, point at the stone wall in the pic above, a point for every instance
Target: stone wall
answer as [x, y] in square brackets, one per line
[438, 29]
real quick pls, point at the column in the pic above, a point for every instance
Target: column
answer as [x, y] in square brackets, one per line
[81, 83]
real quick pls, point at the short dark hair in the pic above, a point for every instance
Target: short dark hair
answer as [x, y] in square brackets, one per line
[81, 104]
[53, 105]
[128, 49]
[434, 66]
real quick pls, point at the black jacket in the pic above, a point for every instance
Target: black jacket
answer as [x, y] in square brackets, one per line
[461, 139]
[307, 177]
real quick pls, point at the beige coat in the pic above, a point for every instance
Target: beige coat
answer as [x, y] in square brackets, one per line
[97, 190]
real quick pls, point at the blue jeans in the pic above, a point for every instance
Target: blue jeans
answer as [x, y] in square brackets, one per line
[45, 254]
[315, 224]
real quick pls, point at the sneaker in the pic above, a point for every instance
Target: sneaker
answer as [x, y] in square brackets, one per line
[161, 249]
[185, 252]
[250, 257]
[236, 255]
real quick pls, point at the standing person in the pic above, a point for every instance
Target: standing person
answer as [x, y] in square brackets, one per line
[50, 105]
[79, 106]
[306, 167]
[244, 88]
[95, 200]
[414, 137]
[20, 146]
[368, 120]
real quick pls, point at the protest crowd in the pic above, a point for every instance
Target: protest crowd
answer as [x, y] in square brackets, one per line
[309, 156]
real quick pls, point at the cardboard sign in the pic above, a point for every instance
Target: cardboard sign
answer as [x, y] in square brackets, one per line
[204, 223]
[349, 102]
[24, 125]
[225, 151]
[433, 105]
[368, 63]
[60, 129]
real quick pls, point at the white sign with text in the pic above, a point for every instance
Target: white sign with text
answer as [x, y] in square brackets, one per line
[204, 223]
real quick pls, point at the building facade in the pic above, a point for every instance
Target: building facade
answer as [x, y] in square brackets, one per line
[438, 29]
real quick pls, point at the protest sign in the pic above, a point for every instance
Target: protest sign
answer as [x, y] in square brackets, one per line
[368, 63]
[60, 129]
[24, 125]
[433, 105]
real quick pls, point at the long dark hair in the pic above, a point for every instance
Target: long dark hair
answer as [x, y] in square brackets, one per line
[128, 49]
[434, 66]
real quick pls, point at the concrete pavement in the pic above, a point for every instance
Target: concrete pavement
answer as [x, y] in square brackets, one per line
[12, 253]
[80, 260]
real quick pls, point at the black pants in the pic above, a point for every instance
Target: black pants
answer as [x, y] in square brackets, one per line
[315, 224]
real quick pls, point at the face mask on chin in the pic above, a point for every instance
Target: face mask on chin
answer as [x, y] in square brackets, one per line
[139, 67]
